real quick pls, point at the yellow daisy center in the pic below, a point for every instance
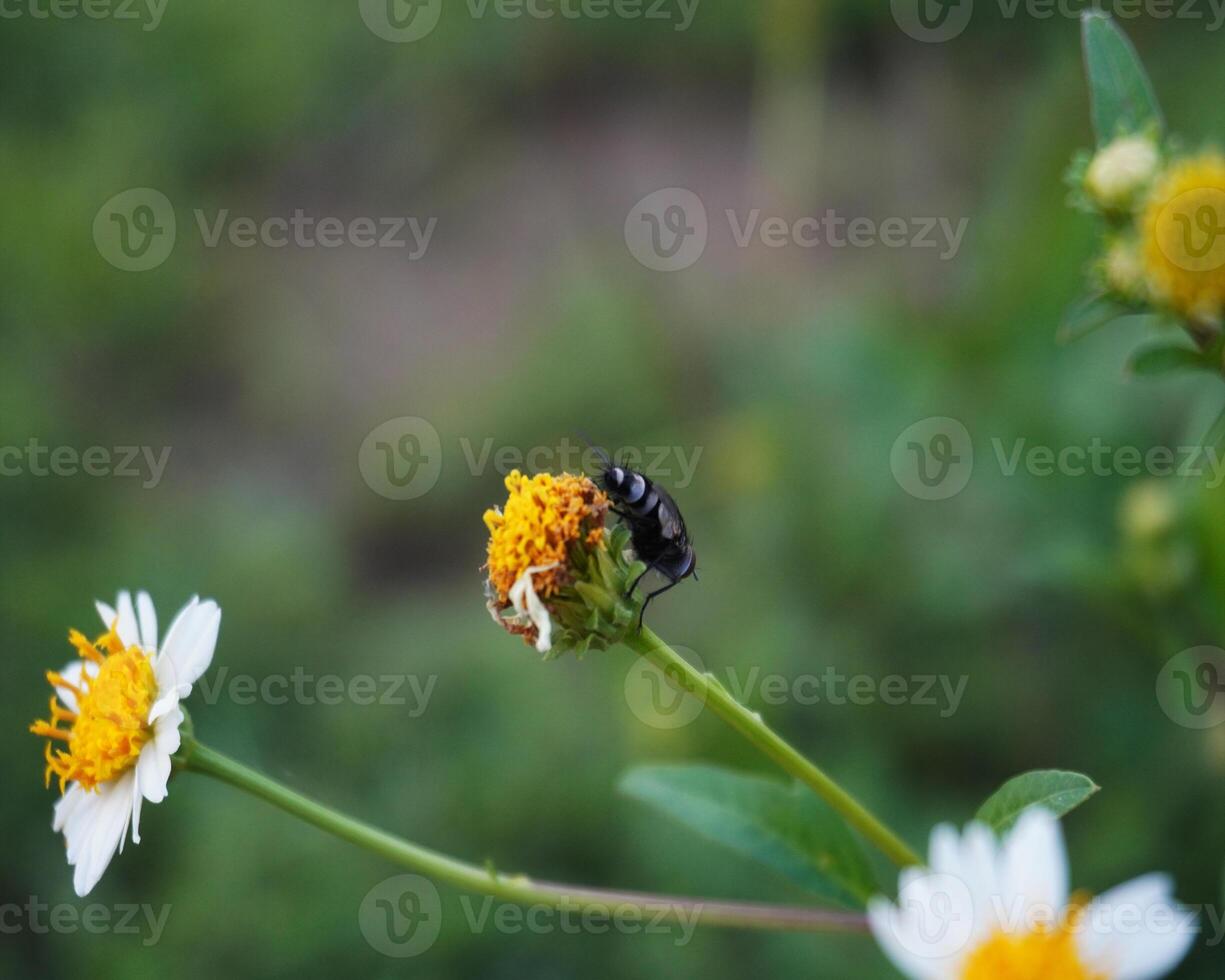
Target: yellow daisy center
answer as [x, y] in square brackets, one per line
[544, 516]
[110, 726]
[1183, 226]
[1048, 954]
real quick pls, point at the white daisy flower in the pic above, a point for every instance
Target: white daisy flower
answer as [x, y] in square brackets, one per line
[116, 712]
[1001, 910]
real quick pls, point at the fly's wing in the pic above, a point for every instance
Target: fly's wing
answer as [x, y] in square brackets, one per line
[671, 524]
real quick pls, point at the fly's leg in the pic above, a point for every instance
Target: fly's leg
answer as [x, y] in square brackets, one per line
[646, 602]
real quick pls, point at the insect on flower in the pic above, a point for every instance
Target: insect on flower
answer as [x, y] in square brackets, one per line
[657, 529]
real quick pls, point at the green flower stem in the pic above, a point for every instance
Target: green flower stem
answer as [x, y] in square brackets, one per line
[520, 889]
[749, 724]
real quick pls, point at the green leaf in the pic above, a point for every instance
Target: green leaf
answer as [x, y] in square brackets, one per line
[784, 827]
[1215, 436]
[1090, 314]
[1165, 358]
[1119, 89]
[1054, 789]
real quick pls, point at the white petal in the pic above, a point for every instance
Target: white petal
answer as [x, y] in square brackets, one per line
[522, 596]
[169, 690]
[899, 939]
[148, 621]
[166, 731]
[153, 772]
[1034, 869]
[944, 852]
[1136, 931]
[167, 702]
[94, 827]
[129, 630]
[106, 613]
[134, 815]
[980, 863]
[72, 798]
[190, 641]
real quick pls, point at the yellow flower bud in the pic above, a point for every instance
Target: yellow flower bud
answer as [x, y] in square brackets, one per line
[1120, 171]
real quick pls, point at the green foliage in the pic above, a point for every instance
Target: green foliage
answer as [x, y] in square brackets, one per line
[1060, 792]
[1089, 315]
[793, 372]
[1160, 359]
[1122, 96]
[784, 827]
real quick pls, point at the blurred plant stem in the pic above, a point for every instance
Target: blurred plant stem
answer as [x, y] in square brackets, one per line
[194, 757]
[749, 724]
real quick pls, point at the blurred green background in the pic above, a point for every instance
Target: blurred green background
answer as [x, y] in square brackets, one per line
[791, 370]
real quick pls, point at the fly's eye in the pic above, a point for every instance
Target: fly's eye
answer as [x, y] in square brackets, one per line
[616, 476]
[638, 486]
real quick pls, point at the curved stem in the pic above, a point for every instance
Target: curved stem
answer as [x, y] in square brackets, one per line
[749, 724]
[521, 889]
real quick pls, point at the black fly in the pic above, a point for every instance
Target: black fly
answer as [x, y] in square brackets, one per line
[656, 526]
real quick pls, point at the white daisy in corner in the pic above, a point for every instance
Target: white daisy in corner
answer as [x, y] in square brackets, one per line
[1001, 910]
[115, 715]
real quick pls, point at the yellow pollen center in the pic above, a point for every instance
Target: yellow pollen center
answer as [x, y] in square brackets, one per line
[1048, 954]
[1183, 229]
[110, 725]
[544, 516]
